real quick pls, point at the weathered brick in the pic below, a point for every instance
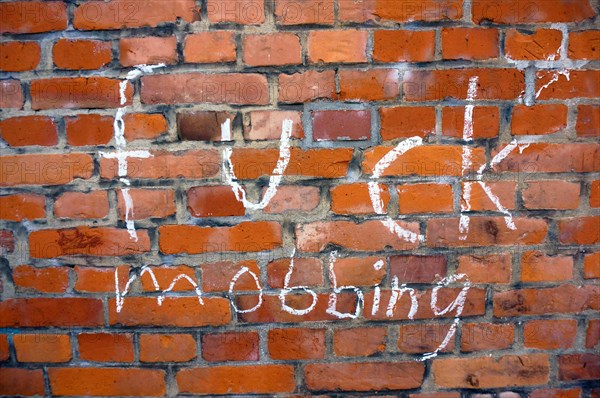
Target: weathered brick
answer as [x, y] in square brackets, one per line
[487, 372]
[19, 56]
[107, 381]
[470, 43]
[81, 54]
[366, 376]
[29, 130]
[257, 379]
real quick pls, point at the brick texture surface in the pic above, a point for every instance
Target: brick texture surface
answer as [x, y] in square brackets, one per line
[338, 198]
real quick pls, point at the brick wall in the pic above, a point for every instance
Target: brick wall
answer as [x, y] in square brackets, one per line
[297, 197]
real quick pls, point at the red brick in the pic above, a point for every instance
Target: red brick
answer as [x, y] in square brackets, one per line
[214, 201]
[268, 125]
[147, 203]
[506, 84]
[359, 342]
[106, 347]
[203, 125]
[550, 158]
[418, 269]
[306, 272]
[77, 92]
[293, 198]
[539, 119]
[174, 311]
[484, 231]
[584, 45]
[556, 393]
[21, 207]
[295, 344]
[407, 121]
[148, 50]
[355, 198]
[592, 334]
[292, 12]
[546, 301]
[222, 347]
[369, 85]
[11, 93]
[59, 312]
[167, 347]
[32, 16]
[403, 45]
[558, 195]
[81, 54]
[428, 10]
[119, 14]
[470, 43]
[194, 240]
[243, 12]
[81, 205]
[479, 200]
[227, 88]
[486, 121]
[591, 266]
[217, 277]
[536, 11]
[588, 121]
[209, 47]
[359, 271]
[29, 130]
[493, 268]
[4, 352]
[144, 126]
[42, 347]
[19, 56]
[307, 86]
[430, 160]
[48, 169]
[272, 49]
[425, 198]
[165, 275]
[107, 381]
[541, 44]
[487, 336]
[580, 84]
[89, 129]
[488, 372]
[356, 11]
[423, 338]
[341, 125]
[579, 367]
[193, 164]
[337, 46]
[45, 280]
[251, 163]
[102, 241]
[365, 376]
[579, 231]
[550, 334]
[370, 235]
[19, 381]
[7, 241]
[261, 379]
[100, 280]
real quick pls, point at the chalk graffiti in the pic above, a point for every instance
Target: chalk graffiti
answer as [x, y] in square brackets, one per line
[398, 289]
[276, 176]
[121, 153]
